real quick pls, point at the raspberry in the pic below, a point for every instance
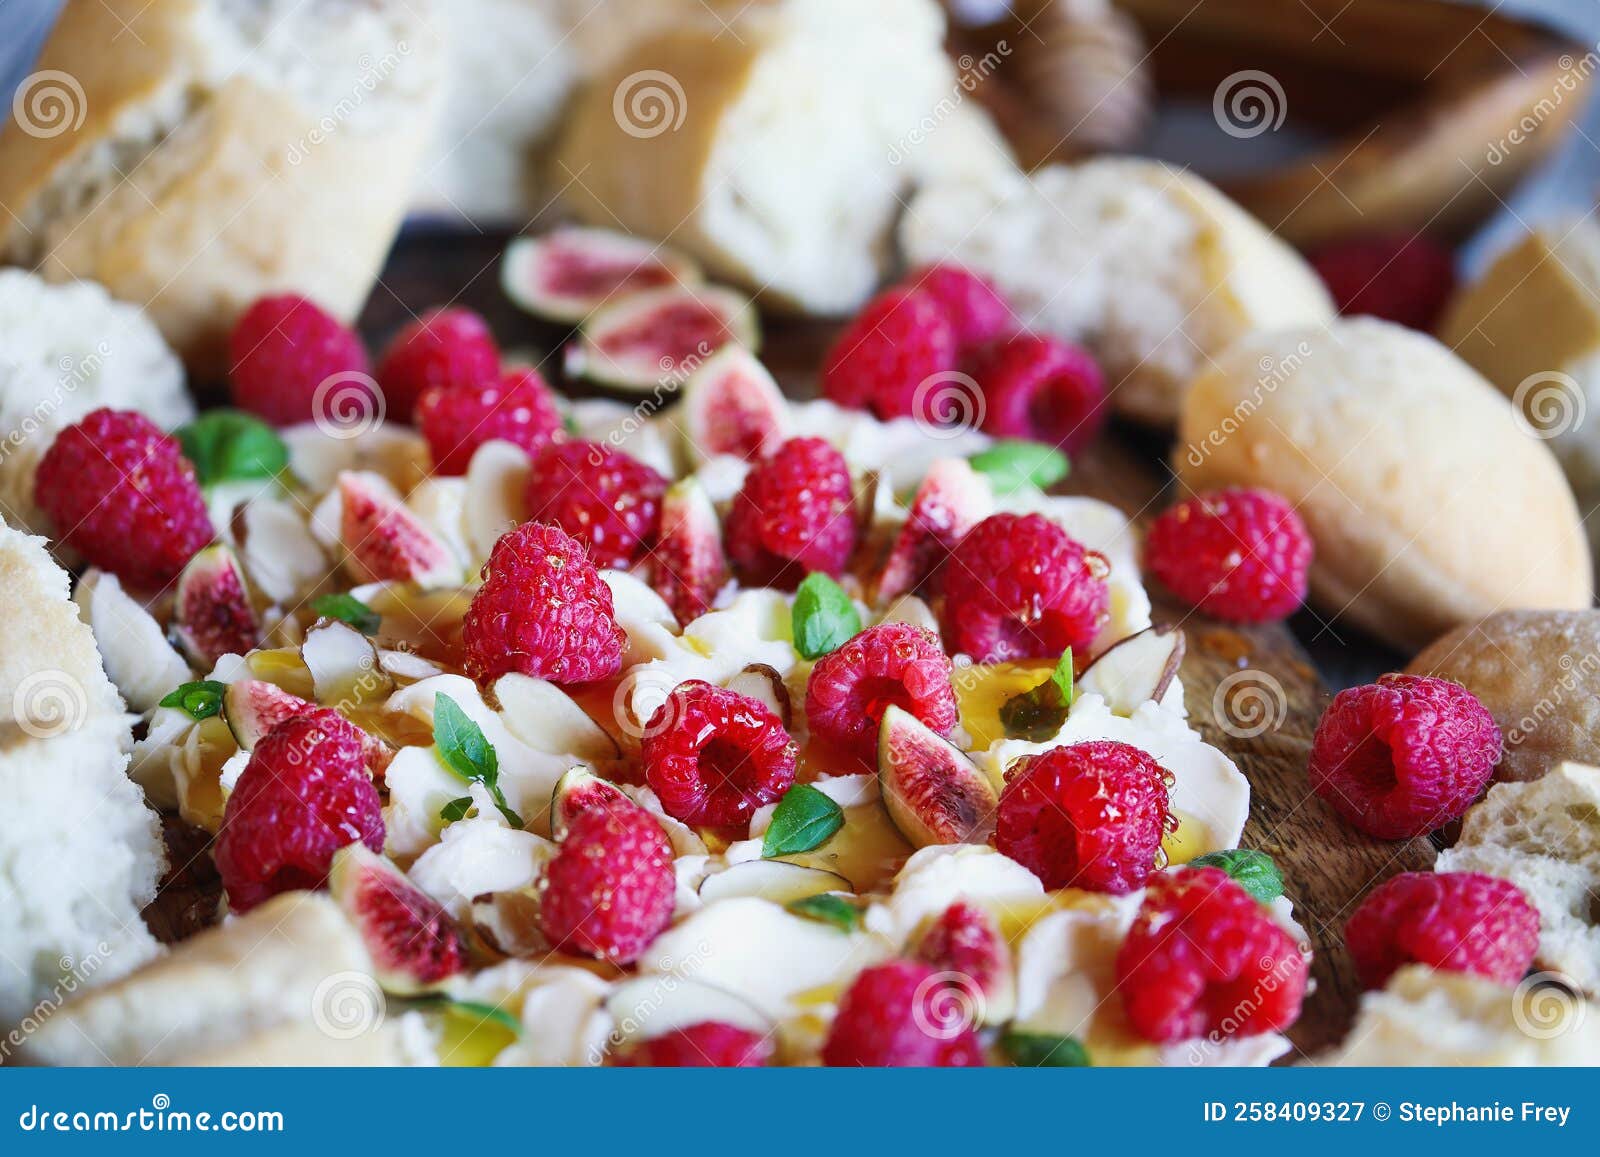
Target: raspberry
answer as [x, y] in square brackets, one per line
[1017, 587]
[1392, 276]
[1455, 921]
[902, 1014]
[282, 349]
[1204, 958]
[445, 347]
[900, 340]
[456, 420]
[543, 610]
[1090, 815]
[714, 756]
[1041, 388]
[304, 795]
[609, 890]
[796, 513]
[965, 942]
[710, 1044]
[121, 493]
[605, 499]
[892, 664]
[1241, 555]
[1403, 756]
[977, 312]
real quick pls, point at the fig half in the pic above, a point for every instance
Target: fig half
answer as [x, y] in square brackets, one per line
[213, 615]
[656, 339]
[689, 566]
[933, 793]
[952, 499]
[568, 273]
[732, 405]
[412, 940]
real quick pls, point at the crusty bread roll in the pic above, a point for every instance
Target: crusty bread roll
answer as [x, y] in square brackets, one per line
[210, 151]
[1429, 504]
[1538, 673]
[1425, 1017]
[775, 150]
[80, 853]
[1545, 838]
[1149, 266]
[293, 971]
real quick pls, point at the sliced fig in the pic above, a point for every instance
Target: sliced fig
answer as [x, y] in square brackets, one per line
[965, 942]
[568, 273]
[763, 683]
[774, 880]
[731, 405]
[932, 792]
[212, 612]
[1136, 670]
[578, 790]
[690, 566]
[412, 940]
[952, 499]
[253, 707]
[659, 337]
[384, 541]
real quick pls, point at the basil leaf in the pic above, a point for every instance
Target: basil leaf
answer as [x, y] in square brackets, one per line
[468, 1010]
[1035, 1050]
[468, 753]
[455, 809]
[348, 609]
[828, 909]
[805, 819]
[1018, 465]
[200, 700]
[1038, 713]
[231, 446]
[824, 618]
[1253, 871]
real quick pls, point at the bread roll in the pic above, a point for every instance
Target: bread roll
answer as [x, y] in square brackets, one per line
[1538, 673]
[1429, 504]
[777, 150]
[210, 151]
[1545, 838]
[1150, 267]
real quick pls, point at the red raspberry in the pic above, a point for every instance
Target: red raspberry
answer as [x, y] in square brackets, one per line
[902, 1014]
[710, 1044]
[607, 500]
[1455, 921]
[282, 349]
[1241, 555]
[543, 610]
[1090, 815]
[445, 347]
[892, 664]
[714, 756]
[1392, 276]
[121, 493]
[1041, 388]
[519, 408]
[965, 942]
[900, 340]
[1203, 958]
[977, 312]
[1403, 756]
[796, 513]
[609, 891]
[304, 795]
[1017, 587]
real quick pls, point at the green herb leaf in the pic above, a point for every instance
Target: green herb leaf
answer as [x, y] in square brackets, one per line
[1038, 713]
[828, 909]
[230, 446]
[467, 752]
[824, 618]
[1017, 465]
[1254, 871]
[201, 700]
[1035, 1050]
[805, 819]
[455, 809]
[468, 1010]
[348, 609]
